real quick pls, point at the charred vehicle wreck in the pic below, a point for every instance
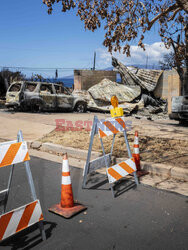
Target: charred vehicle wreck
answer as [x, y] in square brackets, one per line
[42, 96]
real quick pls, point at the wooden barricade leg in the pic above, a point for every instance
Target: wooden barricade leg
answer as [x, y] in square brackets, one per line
[32, 187]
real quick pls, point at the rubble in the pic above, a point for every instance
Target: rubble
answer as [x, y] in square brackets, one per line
[98, 97]
[145, 78]
[135, 93]
[103, 91]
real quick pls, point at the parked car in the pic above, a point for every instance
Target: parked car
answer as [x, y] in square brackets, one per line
[179, 109]
[39, 96]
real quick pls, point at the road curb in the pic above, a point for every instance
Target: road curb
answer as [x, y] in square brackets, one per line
[159, 169]
[59, 149]
[163, 170]
[179, 173]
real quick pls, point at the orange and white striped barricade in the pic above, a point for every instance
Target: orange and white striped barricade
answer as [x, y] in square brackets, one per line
[104, 128]
[12, 222]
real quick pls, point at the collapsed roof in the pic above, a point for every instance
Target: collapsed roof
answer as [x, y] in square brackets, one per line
[104, 90]
[129, 93]
[147, 79]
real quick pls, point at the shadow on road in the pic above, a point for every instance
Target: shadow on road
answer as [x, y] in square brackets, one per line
[97, 182]
[22, 240]
[123, 186]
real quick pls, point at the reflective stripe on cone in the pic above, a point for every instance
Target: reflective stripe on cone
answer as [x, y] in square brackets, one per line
[67, 207]
[136, 153]
[66, 185]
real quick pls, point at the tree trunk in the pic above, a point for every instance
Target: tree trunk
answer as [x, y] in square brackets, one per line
[6, 84]
[185, 78]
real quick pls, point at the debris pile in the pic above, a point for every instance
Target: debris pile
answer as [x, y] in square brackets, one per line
[135, 92]
[102, 92]
[145, 78]
[98, 97]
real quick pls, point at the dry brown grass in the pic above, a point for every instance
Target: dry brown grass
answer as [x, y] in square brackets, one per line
[156, 150]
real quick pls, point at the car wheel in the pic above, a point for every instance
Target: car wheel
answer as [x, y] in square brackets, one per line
[80, 107]
[183, 123]
[36, 108]
[24, 107]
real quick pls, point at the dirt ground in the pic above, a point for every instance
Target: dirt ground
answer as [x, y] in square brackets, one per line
[161, 141]
[158, 150]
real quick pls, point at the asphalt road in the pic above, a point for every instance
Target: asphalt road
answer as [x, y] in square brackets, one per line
[140, 218]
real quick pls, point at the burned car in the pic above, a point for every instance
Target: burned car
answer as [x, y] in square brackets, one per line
[39, 96]
[179, 109]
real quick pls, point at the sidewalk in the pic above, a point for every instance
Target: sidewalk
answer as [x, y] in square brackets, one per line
[32, 130]
[42, 123]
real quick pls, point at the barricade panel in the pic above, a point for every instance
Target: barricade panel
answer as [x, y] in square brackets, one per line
[99, 163]
[19, 219]
[120, 170]
[13, 153]
[3, 194]
[111, 126]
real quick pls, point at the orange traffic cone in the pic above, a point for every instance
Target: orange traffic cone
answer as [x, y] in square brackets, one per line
[67, 207]
[136, 155]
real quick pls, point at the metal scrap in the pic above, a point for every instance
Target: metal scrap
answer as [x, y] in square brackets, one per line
[134, 93]
[103, 91]
[145, 78]
[98, 97]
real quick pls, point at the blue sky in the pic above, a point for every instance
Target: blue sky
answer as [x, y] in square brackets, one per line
[32, 38]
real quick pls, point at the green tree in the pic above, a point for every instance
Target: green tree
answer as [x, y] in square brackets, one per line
[127, 20]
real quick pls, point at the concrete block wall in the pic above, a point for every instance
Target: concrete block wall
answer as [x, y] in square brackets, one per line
[162, 87]
[174, 89]
[84, 79]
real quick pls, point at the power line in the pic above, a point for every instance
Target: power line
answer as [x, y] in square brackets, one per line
[34, 68]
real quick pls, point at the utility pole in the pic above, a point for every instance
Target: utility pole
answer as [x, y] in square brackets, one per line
[56, 74]
[147, 62]
[94, 61]
[185, 78]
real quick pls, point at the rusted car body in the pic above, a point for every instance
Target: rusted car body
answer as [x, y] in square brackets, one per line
[38, 96]
[179, 109]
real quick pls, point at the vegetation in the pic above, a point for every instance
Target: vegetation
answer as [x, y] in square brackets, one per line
[128, 20]
[168, 62]
[7, 77]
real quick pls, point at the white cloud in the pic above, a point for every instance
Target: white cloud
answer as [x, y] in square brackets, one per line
[154, 52]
